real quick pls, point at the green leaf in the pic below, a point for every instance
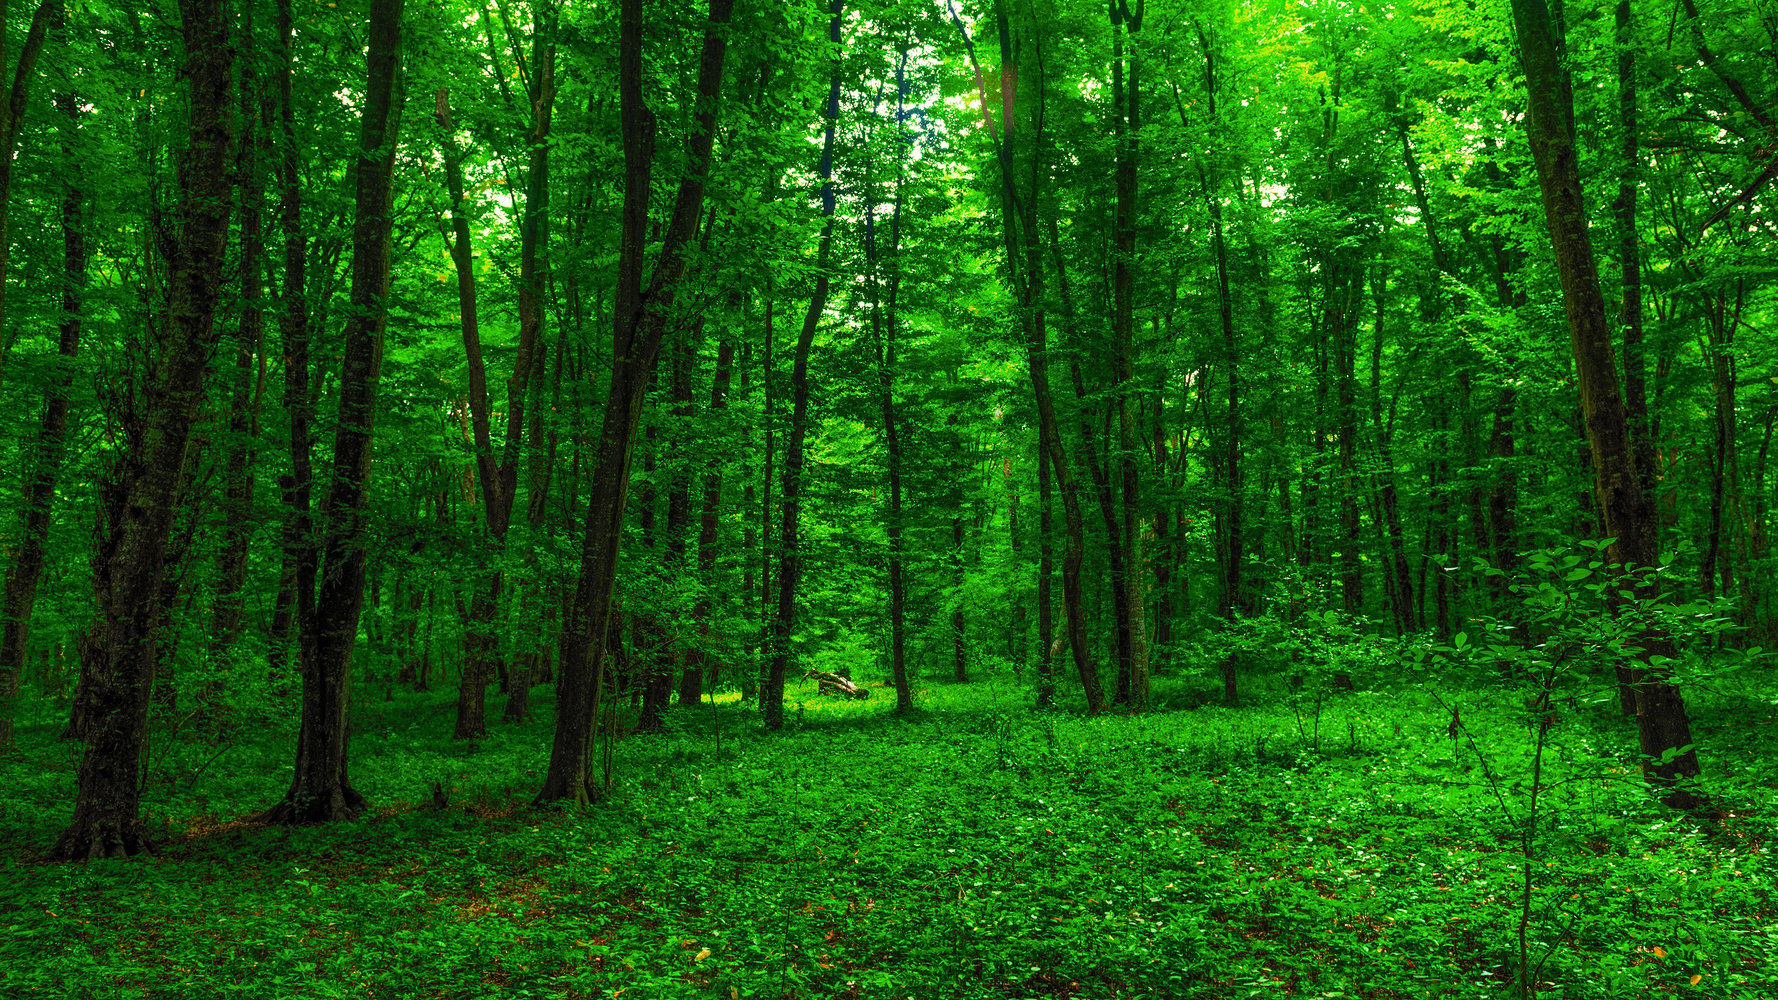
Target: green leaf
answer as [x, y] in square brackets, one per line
[1577, 574]
[1668, 754]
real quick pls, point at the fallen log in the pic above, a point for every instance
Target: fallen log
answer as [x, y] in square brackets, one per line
[830, 683]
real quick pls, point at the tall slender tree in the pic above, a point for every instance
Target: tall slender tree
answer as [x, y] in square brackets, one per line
[320, 789]
[771, 694]
[641, 320]
[1664, 731]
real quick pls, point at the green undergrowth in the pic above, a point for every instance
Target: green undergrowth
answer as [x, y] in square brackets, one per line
[1347, 847]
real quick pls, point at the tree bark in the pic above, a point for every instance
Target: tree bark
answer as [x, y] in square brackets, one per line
[1662, 726]
[1233, 547]
[320, 790]
[301, 556]
[698, 664]
[1019, 220]
[141, 491]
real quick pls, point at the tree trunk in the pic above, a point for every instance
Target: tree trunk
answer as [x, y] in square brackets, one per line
[142, 489]
[1127, 121]
[789, 552]
[884, 326]
[691, 682]
[1661, 719]
[300, 555]
[1019, 220]
[1046, 661]
[1233, 547]
[320, 790]
[640, 324]
[22, 576]
[534, 277]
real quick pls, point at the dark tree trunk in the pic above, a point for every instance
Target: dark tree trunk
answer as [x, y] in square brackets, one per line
[640, 324]
[320, 790]
[1629, 261]
[534, 276]
[1233, 547]
[691, 682]
[141, 491]
[1661, 720]
[959, 625]
[481, 646]
[497, 472]
[771, 694]
[46, 464]
[1099, 472]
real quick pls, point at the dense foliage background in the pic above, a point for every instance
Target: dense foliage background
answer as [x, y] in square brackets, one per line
[1401, 372]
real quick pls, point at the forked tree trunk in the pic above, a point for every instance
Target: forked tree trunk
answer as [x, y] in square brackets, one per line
[320, 790]
[1018, 223]
[141, 491]
[1664, 732]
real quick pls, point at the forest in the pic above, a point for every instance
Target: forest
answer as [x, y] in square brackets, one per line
[888, 499]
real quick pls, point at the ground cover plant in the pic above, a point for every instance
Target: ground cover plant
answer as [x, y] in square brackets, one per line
[979, 850]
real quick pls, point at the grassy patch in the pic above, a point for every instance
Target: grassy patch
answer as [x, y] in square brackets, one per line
[978, 850]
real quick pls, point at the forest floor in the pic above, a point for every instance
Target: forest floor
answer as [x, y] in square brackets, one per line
[1345, 846]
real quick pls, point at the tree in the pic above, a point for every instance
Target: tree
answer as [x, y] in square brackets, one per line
[771, 694]
[641, 320]
[20, 594]
[320, 790]
[1663, 730]
[141, 493]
